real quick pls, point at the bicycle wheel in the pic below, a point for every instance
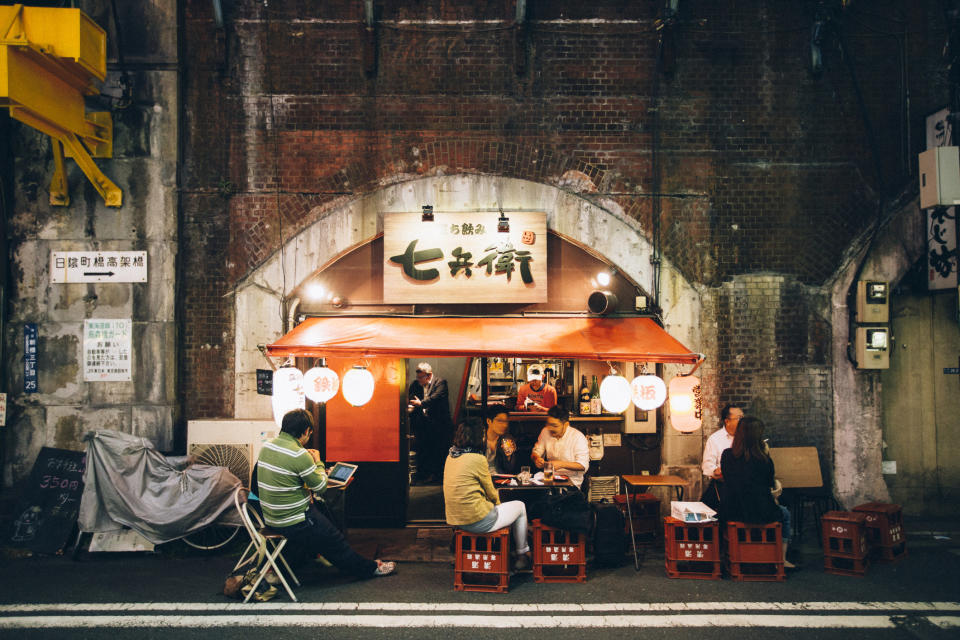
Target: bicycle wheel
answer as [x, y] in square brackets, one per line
[212, 537]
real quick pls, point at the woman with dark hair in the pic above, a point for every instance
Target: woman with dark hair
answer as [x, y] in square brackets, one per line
[501, 447]
[471, 501]
[748, 477]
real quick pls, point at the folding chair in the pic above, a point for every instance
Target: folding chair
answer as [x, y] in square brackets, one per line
[264, 549]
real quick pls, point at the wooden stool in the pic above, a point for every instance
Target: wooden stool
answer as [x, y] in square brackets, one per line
[845, 547]
[754, 552]
[558, 555]
[482, 561]
[692, 549]
[886, 537]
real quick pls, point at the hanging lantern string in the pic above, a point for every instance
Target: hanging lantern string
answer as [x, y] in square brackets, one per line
[613, 369]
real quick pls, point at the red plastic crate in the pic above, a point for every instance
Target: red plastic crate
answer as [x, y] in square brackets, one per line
[754, 542]
[885, 534]
[846, 566]
[692, 549]
[558, 555]
[844, 535]
[645, 509]
[482, 561]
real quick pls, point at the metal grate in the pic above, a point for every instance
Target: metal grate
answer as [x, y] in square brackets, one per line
[603, 487]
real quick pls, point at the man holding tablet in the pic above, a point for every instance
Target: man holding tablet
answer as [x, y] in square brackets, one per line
[288, 477]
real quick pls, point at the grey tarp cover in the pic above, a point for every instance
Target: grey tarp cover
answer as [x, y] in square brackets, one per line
[127, 482]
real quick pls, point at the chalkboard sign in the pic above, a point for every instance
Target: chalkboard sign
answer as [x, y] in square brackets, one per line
[50, 503]
[265, 382]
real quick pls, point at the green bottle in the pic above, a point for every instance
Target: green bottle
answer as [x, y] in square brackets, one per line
[595, 407]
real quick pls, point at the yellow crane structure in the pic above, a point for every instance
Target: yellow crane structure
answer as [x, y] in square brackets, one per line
[49, 60]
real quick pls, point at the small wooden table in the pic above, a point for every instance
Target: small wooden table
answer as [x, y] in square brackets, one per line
[642, 482]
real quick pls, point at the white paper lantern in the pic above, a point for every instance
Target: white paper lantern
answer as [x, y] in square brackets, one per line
[358, 386]
[648, 392]
[615, 394]
[685, 406]
[320, 384]
[287, 392]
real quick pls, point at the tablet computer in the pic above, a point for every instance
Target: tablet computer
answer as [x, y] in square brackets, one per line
[340, 474]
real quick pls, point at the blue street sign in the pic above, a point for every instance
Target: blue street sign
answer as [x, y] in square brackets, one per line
[30, 358]
[952, 370]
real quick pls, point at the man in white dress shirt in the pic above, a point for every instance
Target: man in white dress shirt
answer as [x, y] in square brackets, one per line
[717, 443]
[562, 445]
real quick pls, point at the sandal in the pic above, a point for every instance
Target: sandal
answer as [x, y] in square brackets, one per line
[384, 568]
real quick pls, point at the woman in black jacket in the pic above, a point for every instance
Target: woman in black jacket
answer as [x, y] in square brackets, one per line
[748, 477]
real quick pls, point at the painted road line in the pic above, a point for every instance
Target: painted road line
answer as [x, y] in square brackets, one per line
[468, 621]
[200, 607]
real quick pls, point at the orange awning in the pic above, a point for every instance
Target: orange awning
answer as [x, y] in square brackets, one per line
[593, 338]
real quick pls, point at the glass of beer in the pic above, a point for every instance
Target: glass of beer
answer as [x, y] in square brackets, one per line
[548, 472]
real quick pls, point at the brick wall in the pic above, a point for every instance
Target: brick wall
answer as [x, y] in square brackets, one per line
[765, 169]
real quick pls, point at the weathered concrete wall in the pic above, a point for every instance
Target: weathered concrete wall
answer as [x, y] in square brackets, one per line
[144, 166]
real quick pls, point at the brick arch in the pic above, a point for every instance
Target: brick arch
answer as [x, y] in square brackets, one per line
[258, 220]
[600, 225]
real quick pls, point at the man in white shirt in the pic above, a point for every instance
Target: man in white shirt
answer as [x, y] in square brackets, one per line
[717, 443]
[562, 445]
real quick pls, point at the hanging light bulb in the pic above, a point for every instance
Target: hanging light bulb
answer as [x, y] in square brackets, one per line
[320, 384]
[358, 386]
[648, 392]
[685, 408]
[615, 393]
[287, 392]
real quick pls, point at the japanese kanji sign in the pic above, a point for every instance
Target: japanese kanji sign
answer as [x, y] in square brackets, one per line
[30, 358]
[462, 257]
[98, 266]
[106, 350]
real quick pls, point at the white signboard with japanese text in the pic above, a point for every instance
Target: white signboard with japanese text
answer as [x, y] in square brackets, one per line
[463, 258]
[98, 266]
[106, 350]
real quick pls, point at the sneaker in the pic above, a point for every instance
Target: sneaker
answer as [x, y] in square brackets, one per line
[522, 563]
[272, 578]
[384, 568]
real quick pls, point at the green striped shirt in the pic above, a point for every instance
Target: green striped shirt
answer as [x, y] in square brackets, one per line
[283, 468]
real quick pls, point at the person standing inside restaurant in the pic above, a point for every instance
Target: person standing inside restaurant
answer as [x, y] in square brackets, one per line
[748, 475]
[536, 395]
[470, 499]
[562, 445]
[437, 427]
[717, 443]
[289, 478]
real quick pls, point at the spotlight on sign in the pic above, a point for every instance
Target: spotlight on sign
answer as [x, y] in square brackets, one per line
[648, 392]
[358, 386]
[287, 392]
[320, 384]
[615, 393]
[685, 403]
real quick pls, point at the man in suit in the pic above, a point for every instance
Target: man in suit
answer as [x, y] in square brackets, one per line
[435, 423]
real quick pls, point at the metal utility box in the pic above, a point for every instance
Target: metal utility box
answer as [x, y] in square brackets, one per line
[873, 304]
[873, 347]
[940, 177]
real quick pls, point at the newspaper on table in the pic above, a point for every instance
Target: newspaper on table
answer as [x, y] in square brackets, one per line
[692, 512]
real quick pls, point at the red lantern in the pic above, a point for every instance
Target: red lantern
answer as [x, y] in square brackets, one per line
[685, 403]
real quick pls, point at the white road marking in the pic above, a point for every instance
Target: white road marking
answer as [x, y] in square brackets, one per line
[484, 608]
[471, 621]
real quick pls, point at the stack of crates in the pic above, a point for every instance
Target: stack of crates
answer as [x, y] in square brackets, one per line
[558, 555]
[645, 510]
[482, 561]
[845, 547]
[885, 534]
[754, 552]
[692, 549]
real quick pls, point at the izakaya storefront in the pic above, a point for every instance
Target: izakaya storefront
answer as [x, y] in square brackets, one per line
[481, 296]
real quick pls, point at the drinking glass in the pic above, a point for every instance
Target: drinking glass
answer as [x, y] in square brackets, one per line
[548, 472]
[524, 475]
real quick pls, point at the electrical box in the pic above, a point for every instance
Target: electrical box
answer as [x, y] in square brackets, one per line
[873, 301]
[940, 177]
[873, 347]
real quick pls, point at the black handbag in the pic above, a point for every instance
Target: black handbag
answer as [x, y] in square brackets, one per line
[569, 511]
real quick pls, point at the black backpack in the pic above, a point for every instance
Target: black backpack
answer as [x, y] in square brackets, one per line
[609, 539]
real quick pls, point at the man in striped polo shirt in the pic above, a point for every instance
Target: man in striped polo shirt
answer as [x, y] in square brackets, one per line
[287, 475]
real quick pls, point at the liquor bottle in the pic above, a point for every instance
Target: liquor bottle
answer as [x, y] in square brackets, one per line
[584, 397]
[595, 407]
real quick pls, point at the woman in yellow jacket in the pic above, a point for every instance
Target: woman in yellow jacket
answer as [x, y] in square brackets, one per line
[472, 502]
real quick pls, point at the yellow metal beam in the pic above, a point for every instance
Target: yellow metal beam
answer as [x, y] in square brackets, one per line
[49, 59]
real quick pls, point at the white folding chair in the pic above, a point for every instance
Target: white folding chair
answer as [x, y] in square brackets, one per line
[264, 549]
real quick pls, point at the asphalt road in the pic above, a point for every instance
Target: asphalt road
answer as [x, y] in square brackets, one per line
[176, 593]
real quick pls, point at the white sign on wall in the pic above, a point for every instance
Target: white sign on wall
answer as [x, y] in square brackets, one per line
[463, 257]
[106, 350]
[98, 266]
